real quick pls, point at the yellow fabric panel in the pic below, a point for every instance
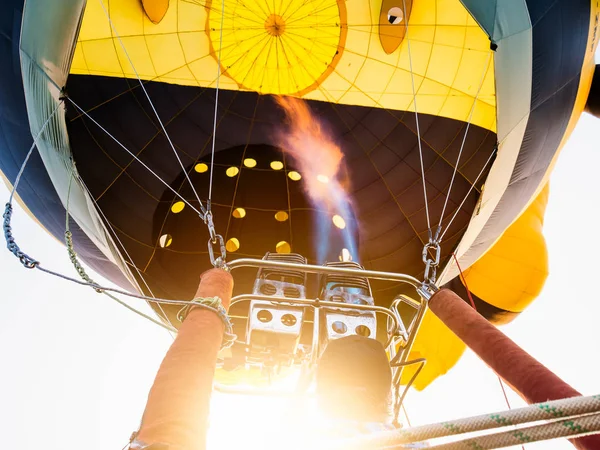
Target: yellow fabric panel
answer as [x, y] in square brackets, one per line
[329, 51]
[96, 26]
[509, 276]
[439, 346]
[155, 9]
[512, 273]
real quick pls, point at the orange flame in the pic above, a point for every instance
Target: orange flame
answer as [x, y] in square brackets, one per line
[318, 157]
[320, 162]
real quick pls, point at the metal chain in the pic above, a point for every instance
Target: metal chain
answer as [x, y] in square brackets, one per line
[12, 246]
[82, 273]
[32, 263]
[75, 261]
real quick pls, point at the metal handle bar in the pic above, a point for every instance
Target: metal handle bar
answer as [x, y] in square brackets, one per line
[310, 268]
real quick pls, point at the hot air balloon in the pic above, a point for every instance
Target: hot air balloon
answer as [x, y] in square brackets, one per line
[448, 117]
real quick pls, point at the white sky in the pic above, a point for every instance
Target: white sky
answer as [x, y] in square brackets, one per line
[76, 367]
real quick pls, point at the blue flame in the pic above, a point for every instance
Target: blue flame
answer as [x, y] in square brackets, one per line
[330, 239]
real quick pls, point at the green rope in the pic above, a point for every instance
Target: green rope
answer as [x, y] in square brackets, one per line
[576, 410]
[518, 434]
[84, 276]
[474, 445]
[75, 261]
[573, 428]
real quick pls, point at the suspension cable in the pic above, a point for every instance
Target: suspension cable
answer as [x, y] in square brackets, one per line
[462, 145]
[165, 316]
[206, 215]
[492, 154]
[31, 263]
[412, 79]
[215, 239]
[114, 30]
[33, 145]
[83, 274]
[201, 214]
[464, 282]
[214, 136]
[11, 244]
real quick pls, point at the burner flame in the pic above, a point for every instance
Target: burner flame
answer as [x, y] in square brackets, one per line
[320, 161]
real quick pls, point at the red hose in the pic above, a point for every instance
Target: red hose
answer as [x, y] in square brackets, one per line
[178, 404]
[531, 379]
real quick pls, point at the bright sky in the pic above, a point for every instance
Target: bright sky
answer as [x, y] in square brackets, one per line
[76, 367]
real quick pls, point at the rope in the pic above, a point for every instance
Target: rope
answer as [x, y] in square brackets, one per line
[116, 236]
[412, 79]
[31, 263]
[187, 176]
[570, 407]
[84, 276]
[462, 145]
[573, 428]
[98, 287]
[214, 136]
[134, 156]
[11, 244]
[205, 215]
[33, 145]
[553, 410]
[467, 194]
[220, 261]
[73, 258]
[464, 281]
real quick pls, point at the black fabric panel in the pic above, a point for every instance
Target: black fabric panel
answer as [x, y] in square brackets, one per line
[383, 173]
[497, 316]
[560, 34]
[35, 188]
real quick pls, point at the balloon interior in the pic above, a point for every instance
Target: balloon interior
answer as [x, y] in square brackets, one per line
[343, 159]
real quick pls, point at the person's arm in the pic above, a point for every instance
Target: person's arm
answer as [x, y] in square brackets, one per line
[176, 414]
